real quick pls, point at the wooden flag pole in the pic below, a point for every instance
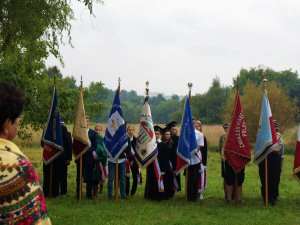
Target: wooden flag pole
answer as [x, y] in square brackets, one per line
[186, 182]
[266, 182]
[80, 178]
[190, 85]
[265, 80]
[80, 162]
[146, 195]
[51, 165]
[51, 179]
[117, 166]
[117, 180]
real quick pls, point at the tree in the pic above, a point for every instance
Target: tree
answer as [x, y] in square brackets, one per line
[208, 107]
[95, 100]
[287, 79]
[30, 30]
[166, 111]
[35, 27]
[283, 109]
[157, 99]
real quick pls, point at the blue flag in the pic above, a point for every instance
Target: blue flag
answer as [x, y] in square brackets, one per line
[115, 139]
[266, 140]
[187, 144]
[52, 137]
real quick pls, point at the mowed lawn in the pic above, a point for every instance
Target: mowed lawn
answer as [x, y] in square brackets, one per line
[211, 210]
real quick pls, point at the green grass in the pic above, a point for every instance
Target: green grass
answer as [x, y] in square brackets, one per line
[211, 210]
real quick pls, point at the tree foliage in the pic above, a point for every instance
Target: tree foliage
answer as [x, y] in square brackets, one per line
[283, 109]
[208, 107]
[286, 79]
[31, 30]
[35, 27]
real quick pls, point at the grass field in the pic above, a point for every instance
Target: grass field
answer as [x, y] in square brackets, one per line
[211, 210]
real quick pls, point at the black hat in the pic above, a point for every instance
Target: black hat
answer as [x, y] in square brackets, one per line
[225, 125]
[62, 120]
[166, 129]
[171, 124]
[157, 128]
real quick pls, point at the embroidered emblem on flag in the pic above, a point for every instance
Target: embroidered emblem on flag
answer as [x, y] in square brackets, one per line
[146, 148]
[114, 122]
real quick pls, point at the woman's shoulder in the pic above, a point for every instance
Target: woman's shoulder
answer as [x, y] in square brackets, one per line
[10, 147]
[19, 186]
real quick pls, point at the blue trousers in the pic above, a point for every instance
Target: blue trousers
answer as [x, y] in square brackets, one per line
[111, 177]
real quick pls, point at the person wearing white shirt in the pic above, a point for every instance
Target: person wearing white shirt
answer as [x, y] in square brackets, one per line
[193, 169]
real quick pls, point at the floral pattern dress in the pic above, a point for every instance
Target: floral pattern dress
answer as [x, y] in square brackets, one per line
[21, 196]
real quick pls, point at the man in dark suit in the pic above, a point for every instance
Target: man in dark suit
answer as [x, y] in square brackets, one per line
[65, 158]
[175, 138]
[88, 162]
[59, 167]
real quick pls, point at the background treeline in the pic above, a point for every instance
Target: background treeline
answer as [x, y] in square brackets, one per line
[30, 31]
[211, 107]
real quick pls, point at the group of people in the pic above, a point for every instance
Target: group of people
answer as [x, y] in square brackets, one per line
[96, 166]
[126, 163]
[162, 181]
[233, 180]
[22, 197]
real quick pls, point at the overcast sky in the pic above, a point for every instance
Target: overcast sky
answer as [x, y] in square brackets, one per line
[173, 42]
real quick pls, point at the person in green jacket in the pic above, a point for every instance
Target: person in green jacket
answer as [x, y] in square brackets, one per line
[100, 156]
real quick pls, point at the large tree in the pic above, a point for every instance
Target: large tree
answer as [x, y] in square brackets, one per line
[31, 30]
[35, 27]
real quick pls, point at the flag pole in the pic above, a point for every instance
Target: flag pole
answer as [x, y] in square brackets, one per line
[265, 80]
[117, 166]
[234, 191]
[190, 85]
[146, 183]
[51, 164]
[80, 161]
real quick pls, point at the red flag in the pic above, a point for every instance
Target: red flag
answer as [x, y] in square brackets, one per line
[237, 148]
[297, 158]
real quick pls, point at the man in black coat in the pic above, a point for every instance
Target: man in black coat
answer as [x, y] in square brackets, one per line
[175, 138]
[59, 167]
[88, 162]
[65, 158]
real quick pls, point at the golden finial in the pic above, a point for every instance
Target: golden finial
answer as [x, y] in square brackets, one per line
[147, 88]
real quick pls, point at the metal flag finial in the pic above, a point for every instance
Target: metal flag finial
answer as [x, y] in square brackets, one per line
[119, 85]
[190, 85]
[265, 80]
[147, 88]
